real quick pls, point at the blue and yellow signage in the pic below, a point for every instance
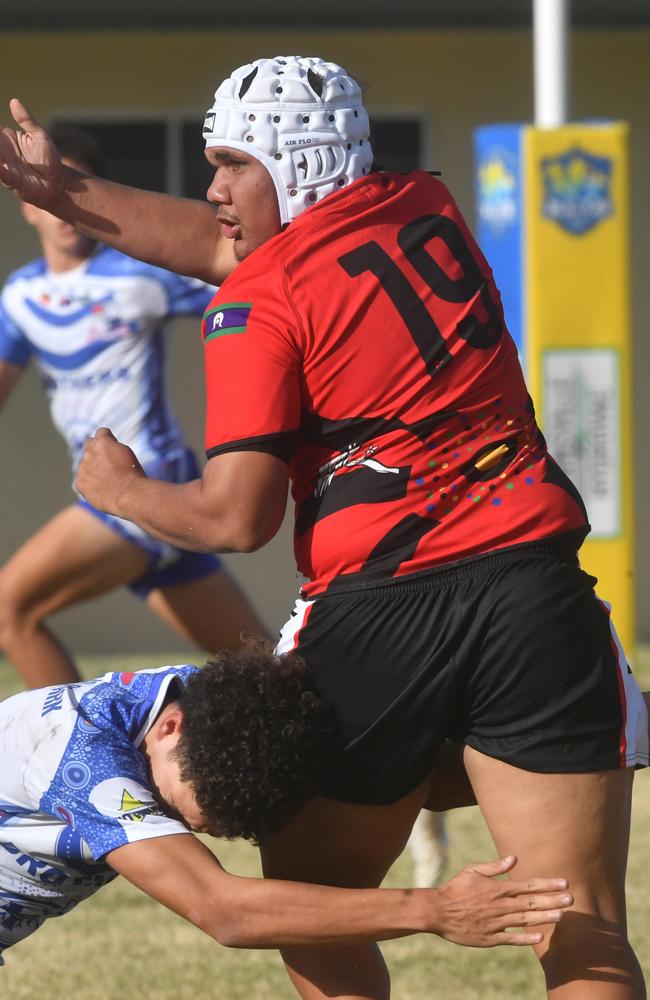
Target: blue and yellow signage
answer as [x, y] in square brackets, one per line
[577, 190]
[565, 245]
[499, 207]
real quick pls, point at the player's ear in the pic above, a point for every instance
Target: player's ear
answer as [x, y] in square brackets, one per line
[172, 722]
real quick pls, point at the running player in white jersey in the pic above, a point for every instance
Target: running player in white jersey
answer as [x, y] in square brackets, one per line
[92, 319]
[110, 776]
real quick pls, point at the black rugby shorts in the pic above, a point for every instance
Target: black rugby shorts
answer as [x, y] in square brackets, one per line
[512, 653]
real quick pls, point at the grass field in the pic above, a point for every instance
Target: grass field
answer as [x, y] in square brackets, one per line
[121, 944]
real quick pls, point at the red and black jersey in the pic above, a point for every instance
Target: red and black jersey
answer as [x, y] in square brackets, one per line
[366, 346]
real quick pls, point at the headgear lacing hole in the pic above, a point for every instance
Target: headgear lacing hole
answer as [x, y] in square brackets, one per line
[312, 196]
[330, 118]
[278, 90]
[278, 156]
[249, 138]
[276, 118]
[341, 181]
[293, 192]
[356, 114]
[251, 118]
[349, 145]
[305, 119]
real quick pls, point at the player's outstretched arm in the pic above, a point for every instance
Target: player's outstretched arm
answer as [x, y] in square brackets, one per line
[179, 234]
[473, 909]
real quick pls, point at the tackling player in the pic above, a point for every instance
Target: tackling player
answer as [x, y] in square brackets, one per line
[111, 776]
[93, 321]
[438, 539]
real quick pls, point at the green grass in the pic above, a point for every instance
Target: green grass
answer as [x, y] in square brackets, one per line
[121, 944]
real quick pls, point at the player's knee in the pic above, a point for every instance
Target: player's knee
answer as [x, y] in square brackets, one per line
[15, 613]
[588, 947]
[344, 972]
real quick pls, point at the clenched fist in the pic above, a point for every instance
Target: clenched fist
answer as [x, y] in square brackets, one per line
[105, 470]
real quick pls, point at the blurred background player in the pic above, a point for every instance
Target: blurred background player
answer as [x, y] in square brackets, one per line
[93, 318]
[428, 846]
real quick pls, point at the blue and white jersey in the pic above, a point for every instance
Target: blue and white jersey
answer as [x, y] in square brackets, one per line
[74, 785]
[96, 332]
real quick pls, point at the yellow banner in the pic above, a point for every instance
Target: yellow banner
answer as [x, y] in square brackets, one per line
[578, 327]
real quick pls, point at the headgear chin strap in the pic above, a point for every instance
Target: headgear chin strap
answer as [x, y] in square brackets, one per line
[302, 118]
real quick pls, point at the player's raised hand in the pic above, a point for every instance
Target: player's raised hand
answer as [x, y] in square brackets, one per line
[481, 911]
[105, 468]
[30, 165]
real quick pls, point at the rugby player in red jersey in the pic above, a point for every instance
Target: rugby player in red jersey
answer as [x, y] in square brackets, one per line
[358, 351]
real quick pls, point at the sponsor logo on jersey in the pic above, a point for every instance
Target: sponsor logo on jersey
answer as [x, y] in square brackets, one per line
[577, 190]
[34, 868]
[223, 320]
[349, 459]
[134, 810]
[53, 701]
[124, 799]
[94, 381]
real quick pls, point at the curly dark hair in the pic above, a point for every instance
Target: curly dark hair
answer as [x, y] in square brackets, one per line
[254, 741]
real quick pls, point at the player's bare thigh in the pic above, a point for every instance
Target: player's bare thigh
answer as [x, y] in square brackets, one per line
[334, 843]
[211, 612]
[577, 824]
[73, 557]
[338, 843]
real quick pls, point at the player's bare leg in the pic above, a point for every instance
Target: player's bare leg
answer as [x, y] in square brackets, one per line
[333, 843]
[72, 558]
[449, 789]
[577, 824]
[212, 612]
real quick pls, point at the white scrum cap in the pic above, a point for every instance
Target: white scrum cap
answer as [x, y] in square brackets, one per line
[302, 118]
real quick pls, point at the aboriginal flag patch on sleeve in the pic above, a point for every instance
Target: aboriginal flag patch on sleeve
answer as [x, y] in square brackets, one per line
[224, 319]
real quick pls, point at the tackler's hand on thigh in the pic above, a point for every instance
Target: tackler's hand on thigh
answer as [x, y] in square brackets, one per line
[480, 911]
